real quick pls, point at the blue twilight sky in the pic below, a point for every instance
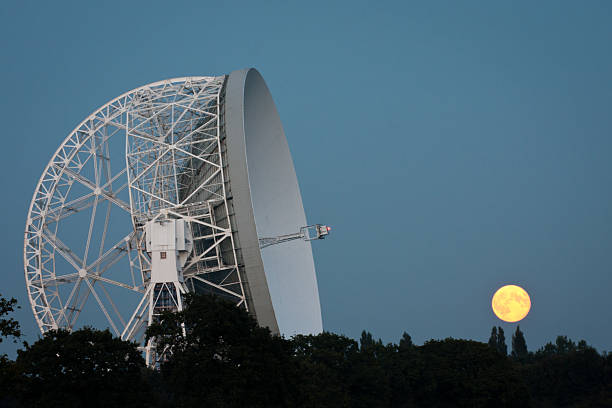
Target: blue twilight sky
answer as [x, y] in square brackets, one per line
[453, 146]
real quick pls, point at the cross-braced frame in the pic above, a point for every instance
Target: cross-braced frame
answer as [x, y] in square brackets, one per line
[172, 167]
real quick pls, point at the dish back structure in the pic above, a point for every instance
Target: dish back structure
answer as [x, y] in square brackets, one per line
[205, 176]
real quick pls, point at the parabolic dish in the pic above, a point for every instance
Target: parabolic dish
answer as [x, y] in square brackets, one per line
[267, 202]
[209, 152]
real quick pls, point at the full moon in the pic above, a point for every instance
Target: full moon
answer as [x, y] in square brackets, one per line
[511, 303]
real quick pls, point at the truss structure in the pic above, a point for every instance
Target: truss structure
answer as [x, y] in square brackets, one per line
[307, 233]
[170, 167]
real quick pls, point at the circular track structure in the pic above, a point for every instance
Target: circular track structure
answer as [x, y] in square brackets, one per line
[166, 189]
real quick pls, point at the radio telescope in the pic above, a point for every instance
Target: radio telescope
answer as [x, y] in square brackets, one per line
[182, 185]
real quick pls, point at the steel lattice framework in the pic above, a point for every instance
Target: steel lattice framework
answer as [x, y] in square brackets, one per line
[172, 167]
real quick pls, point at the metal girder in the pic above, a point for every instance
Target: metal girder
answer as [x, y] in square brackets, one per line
[171, 162]
[307, 233]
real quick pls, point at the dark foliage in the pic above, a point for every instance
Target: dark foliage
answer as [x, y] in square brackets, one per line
[501, 342]
[519, 346]
[405, 342]
[450, 372]
[9, 327]
[497, 341]
[493, 338]
[569, 374]
[324, 365]
[224, 359]
[468, 373]
[84, 368]
[217, 356]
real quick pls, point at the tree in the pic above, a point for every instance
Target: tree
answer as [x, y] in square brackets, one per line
[519, 345]
[368, 380]
[324, 365]
[565, 345]
[405, 342]
[568, 374]
[493, 338]
[217, 356]
[9, 327]
[465, 373]
[366, 340]
[562, 345]
[84, 368]
[501, 342]
[403, 367]
[497, 340]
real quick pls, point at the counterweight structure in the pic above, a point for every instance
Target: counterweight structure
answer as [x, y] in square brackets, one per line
[173, 187]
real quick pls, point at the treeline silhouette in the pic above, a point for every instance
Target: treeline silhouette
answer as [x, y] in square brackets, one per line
[217, 356]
